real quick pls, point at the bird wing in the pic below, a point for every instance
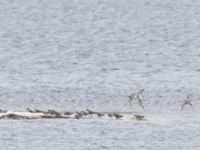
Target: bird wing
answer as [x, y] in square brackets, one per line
[133, 96]
[141, 97]
[141, 91]
[189, 97]
[140, 103]
[182, 106]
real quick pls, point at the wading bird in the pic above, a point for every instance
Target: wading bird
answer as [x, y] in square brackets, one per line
[139, 117]
[188, 101]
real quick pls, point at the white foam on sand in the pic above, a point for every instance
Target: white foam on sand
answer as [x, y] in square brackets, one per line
[26, 115]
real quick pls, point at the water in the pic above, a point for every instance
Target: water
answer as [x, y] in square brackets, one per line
[98, 134]
[73, 54]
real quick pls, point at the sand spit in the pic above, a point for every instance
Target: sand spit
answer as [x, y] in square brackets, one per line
[52, 114]
[88, 114]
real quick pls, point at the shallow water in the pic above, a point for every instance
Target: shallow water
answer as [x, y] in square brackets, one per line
[73, 55]
[99, 134]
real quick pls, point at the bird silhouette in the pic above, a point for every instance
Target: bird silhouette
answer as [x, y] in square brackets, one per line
[188, 101]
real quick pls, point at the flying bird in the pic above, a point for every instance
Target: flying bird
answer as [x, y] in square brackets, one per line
[138, 97]
[188, 101]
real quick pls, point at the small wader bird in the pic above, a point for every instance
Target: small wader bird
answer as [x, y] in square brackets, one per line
[139, 97]
[188, 101]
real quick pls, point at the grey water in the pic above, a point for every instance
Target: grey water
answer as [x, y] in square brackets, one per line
[73, 54]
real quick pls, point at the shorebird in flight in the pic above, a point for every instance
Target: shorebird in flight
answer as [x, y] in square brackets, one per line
[139, 97]
[188, 101]
[131, 98]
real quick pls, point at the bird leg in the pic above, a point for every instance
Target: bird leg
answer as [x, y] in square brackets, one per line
[140, 103]
[182, 106]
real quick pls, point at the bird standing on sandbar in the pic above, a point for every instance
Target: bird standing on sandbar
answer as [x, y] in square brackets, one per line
[188, 101]
[139, 97]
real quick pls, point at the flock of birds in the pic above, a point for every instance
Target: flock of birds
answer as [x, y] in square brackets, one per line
[81, 114]
[140, 98]
[51, 113]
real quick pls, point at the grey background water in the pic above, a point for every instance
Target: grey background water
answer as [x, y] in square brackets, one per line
[73, 54]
